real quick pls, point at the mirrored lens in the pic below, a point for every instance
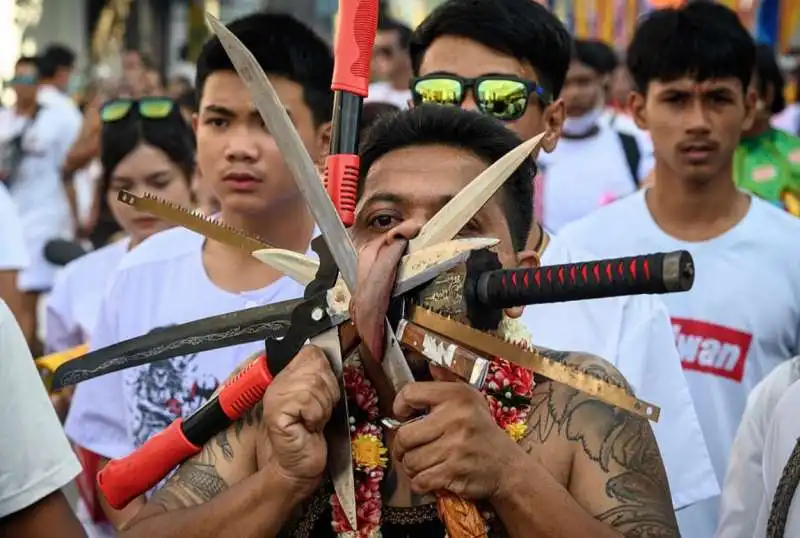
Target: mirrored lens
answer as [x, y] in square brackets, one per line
[115, 110]
[155, 109]
[503, 99]
[442, 91]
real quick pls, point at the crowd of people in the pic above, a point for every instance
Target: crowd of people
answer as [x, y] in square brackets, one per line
[675, 144]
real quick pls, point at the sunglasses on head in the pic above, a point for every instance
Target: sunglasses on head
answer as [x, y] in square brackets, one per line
[504, 97]
[151, 108]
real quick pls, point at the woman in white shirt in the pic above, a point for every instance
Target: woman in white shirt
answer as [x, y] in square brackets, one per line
[147, 147]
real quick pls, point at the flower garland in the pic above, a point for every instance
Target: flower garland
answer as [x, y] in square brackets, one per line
[507, 390]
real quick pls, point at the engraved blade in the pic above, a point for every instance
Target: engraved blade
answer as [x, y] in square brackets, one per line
[301, 268]
[449, 220]
[337, 431]
[214, 332]
[534, 361]
[291, 147]
[193, 220]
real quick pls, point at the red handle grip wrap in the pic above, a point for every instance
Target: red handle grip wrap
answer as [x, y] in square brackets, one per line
[124, 479]
[341, 182]
[653, 273]
[245, 389]
[358, 22]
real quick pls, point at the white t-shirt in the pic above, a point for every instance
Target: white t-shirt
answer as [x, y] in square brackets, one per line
[161, 282]
[740, 500]
[37, 189]
[383, 92]
[35, 457]
[788, 120]
[13, 254]
[634, 334]
[582, 175]
[783, 435]
[740, 320]
[74, 302]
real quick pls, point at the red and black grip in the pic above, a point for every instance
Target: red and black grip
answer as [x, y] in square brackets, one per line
[663, 272]
[124, 479]
[358, 23]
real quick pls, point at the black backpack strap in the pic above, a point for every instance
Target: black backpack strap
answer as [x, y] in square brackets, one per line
[632, 155]
[784, 494]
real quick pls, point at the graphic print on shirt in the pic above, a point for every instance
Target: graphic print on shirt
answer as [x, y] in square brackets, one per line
[166, 390]
[711, 349]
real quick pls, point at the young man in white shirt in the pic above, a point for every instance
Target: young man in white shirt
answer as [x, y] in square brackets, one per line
[36, 461]
[741, 319]
[47, 127]
[464, 38]
[177, 276]
[741, 501]
[779, 515]
[13, 255]
[594, 163]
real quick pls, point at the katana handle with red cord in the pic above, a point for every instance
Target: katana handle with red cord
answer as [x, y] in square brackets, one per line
[124, 479]
[358, 22]
[663, 272]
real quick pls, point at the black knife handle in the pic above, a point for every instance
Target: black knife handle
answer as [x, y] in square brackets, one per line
[662, 272]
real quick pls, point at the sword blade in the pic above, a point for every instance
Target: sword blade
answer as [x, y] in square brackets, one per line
[337, 431]
[450, 219]
[205, 334]
[304, 172]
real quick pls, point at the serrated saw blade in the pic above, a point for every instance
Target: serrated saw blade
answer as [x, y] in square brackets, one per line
[533, 361]
[193, 220]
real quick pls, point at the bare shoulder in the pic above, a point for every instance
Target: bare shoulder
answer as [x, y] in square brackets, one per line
[613, 468]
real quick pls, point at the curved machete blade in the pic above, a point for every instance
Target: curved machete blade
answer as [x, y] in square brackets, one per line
[235, 328]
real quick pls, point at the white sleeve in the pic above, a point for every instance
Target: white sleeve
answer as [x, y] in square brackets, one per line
[647, 350]
[783, 434]
[97, 419]
[62, 327]
[71, 123]
[13, 254]
[740, 498]
[35, 456]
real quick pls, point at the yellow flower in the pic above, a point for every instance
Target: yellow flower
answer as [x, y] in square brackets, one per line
[517, 430]
[369, 452]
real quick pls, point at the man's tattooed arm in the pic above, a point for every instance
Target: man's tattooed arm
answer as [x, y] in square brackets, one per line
[616, 472]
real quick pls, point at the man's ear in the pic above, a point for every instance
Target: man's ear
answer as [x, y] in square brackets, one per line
[195, 121]
[527, 259]
[323, 141]
[636, 105]
[553, 119]
[750, 108]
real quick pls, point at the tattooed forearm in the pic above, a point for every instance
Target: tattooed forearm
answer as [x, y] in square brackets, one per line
[624, 463]
[196, 481]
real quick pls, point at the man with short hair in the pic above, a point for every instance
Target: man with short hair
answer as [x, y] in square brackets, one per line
[573, 472]
[177, 275]
[391, 64]
[741, 318]
[57, 66]
[45, 124]
[520, 70]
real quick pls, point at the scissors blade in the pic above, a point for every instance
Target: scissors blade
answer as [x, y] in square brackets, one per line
[413, 270]
[337, 431]
[449, 220]
[205, 334]
[291, 147]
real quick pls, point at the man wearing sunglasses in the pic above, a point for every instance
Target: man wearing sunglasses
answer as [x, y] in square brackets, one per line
[177, 276]
[509, 59]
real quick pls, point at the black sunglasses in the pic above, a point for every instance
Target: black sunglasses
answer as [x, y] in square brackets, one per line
[504, 97]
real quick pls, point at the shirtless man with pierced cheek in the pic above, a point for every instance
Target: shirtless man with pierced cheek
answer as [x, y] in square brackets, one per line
[583, 468]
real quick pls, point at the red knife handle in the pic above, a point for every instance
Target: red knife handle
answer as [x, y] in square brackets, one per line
[663, 272]
[124, 479]
[358, 23]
